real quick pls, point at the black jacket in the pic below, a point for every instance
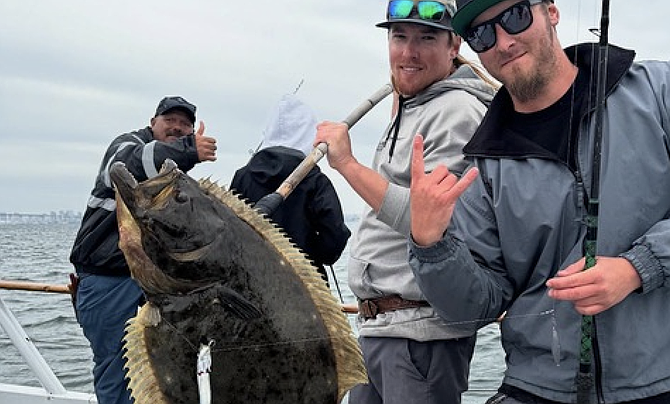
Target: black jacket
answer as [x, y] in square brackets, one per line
[96, 247]
[311, 215]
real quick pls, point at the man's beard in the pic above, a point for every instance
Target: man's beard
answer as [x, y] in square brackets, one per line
[526, 86]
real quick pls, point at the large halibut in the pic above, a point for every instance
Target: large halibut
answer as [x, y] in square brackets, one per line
[217, 274]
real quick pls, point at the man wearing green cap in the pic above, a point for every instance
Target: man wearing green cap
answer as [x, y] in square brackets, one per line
[411, 355]
[509, 236]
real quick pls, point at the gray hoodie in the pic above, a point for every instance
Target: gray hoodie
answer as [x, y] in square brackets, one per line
[447, 114]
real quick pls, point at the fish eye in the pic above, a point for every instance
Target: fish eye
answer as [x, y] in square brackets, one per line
[181, 197]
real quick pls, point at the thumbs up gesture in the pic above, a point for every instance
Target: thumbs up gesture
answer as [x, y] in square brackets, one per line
[205, 145]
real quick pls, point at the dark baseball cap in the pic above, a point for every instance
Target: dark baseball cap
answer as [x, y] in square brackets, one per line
[167, 104]
[409, 11]
[468, 10]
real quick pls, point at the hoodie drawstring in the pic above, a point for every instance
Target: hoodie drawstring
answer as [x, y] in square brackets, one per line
[395, 127]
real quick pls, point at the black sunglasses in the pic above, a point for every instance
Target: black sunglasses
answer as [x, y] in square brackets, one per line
[513, 20]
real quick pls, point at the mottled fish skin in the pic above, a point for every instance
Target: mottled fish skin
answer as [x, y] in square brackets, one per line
[214, 270]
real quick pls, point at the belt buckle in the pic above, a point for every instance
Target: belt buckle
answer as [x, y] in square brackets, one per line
[369, 309]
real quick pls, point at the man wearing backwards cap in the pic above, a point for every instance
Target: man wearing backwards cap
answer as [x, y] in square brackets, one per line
[411, 355]
[106, 296]
[511, 239]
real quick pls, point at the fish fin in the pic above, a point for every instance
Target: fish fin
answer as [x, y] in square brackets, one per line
[143, 379]
[231, 300]
[236, 303]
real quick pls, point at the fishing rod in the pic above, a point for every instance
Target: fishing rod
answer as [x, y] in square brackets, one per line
[269, 203]
[585, 377]
[337, 283]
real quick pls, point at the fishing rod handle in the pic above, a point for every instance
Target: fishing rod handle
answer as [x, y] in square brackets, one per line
[300, 172]
[367, 105]
[269, 203]
[321, 149]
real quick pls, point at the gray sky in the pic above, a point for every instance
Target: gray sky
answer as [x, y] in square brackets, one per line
[74, 74]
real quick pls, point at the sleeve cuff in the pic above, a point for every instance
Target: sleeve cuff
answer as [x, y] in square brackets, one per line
[440, 251]
[647, 266]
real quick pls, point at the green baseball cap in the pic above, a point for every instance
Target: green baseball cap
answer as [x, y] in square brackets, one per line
[468, 10]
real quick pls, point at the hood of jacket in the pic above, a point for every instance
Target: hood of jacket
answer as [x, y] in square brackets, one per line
[464, 78]
[291, 124]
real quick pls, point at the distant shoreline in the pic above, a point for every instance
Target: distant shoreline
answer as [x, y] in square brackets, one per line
[68, 216]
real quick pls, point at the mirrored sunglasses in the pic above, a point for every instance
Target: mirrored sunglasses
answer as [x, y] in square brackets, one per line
[513, 20]
[426, 10]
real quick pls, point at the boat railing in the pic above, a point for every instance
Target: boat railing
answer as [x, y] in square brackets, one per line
[52, 390]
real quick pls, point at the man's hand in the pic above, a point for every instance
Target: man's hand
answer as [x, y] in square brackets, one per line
[598, 288]
[433, 197]
[336, 136]
[205, 145]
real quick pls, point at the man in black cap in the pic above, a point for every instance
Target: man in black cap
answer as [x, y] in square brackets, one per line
[106, 296]
[514, 239]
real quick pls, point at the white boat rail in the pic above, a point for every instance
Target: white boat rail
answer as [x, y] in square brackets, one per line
[52, 391]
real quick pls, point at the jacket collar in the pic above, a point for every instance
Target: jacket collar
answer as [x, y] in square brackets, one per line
[490, 140]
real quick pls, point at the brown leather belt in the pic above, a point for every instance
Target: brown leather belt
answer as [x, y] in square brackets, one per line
[369, 308]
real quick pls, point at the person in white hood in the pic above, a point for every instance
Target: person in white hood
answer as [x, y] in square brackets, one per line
[312, 214]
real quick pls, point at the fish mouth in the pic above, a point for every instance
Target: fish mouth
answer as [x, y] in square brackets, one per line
[190, 256]
[141, 207]
[124, 182]
[154, 192]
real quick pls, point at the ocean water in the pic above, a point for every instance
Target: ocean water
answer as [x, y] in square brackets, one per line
[39, 253]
